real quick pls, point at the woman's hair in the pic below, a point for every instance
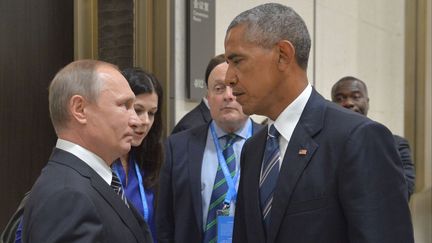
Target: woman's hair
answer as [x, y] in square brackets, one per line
[149, 154]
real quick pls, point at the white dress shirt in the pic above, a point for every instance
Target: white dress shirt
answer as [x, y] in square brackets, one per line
[90, 158]
[210, 164]
[287, 121]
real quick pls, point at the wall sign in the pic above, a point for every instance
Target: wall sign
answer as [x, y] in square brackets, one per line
[200, 44]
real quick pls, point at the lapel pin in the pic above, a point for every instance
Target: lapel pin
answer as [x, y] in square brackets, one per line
[302, 152]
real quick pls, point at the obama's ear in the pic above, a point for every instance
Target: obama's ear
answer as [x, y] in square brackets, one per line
[286, 53]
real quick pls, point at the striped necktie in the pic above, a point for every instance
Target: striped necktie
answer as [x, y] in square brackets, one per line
[220, 189]
[117, 186]
[269, 174]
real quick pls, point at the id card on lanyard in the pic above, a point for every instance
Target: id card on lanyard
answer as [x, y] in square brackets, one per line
[225, 222]
[225, 225]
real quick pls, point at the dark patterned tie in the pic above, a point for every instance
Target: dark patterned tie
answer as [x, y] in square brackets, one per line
[220, 189]
[269, 173]
[117, 186]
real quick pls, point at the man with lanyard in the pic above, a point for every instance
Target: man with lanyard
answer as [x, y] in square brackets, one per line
[198, 183]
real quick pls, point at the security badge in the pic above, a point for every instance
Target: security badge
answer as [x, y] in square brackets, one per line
[225, 224]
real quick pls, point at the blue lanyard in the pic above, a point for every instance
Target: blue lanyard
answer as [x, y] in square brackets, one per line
[140, 185]
[142, 193]
[231, 181]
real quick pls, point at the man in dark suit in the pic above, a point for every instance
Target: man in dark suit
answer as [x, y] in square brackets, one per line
[197, 116]
[351, 93]
[186, 210]
[91, 108]
[319, 173]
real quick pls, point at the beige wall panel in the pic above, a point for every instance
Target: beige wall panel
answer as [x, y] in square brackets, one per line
[364, 39]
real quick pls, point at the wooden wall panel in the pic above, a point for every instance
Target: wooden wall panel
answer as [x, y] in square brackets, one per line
[36, 40]
[116, 32]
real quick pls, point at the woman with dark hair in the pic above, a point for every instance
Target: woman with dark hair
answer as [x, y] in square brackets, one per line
[139, 169]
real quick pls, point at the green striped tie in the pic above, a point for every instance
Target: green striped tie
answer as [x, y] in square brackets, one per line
[220, 189]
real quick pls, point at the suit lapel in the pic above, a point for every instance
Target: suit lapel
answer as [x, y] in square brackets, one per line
[118, 205]
[205, 112]
[103, 188]
[251, 168]
[196, 146]
[298, 154]
[294, 163]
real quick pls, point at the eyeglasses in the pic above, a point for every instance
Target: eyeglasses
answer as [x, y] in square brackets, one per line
[218, 89]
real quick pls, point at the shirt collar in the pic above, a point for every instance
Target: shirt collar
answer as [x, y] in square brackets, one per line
[291, 114]
[90, 158]
[243, 132]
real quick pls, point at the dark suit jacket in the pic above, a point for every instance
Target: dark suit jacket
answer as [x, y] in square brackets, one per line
[348, 187]
[405, 154]
[199, 115]
[70, 202]
[179, 212]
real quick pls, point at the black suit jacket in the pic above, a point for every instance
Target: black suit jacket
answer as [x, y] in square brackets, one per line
[199, 115]
[348, 187]
[179, 212]
[403, 148]
[70, 202]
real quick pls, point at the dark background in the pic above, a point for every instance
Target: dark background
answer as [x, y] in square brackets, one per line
[36, 40]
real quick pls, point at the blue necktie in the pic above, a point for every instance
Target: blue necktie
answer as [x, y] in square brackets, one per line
[269, 173]
[220, 189]
[117, 186]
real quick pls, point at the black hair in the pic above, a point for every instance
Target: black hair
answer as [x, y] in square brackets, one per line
[149, 153]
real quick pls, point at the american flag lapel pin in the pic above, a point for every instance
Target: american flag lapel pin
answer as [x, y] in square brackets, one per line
[302, 152]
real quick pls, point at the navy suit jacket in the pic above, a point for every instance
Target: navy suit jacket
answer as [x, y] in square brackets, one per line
[198, 116]
[179, 212]
[403, 148]
[70, 202]
[347, 187]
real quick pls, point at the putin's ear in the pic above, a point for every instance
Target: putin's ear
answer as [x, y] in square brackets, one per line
[286, 53]
[77, 105]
